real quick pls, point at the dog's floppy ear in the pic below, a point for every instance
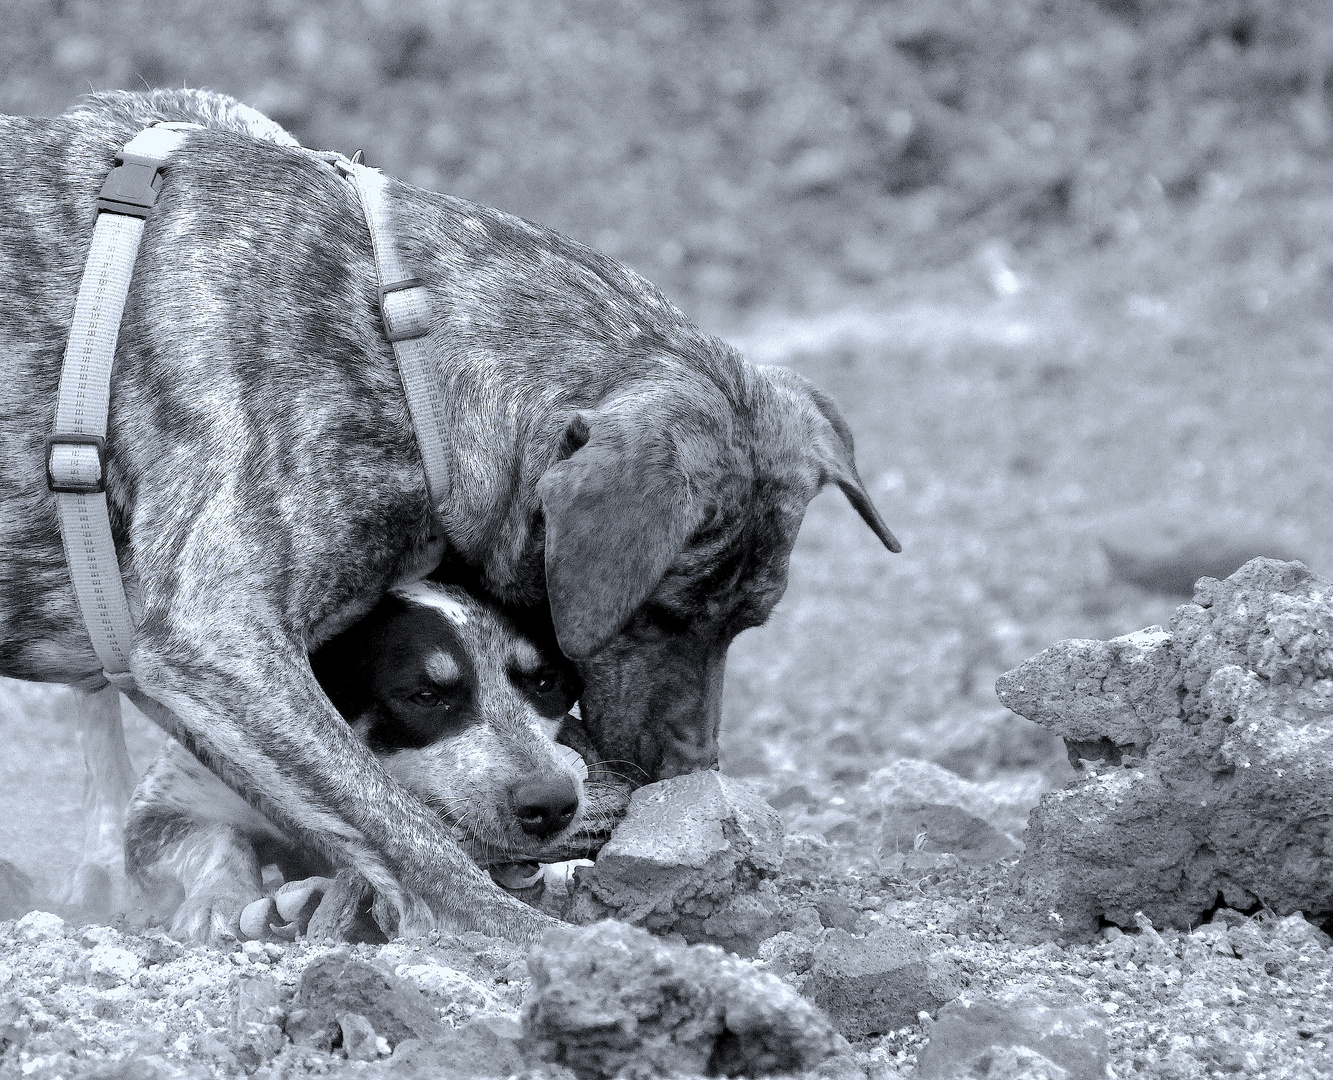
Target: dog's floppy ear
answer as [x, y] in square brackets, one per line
[832, 445]
[617, 512]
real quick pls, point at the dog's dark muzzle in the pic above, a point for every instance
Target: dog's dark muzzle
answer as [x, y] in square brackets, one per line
[652, 707]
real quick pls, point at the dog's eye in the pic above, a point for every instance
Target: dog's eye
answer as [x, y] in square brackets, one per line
[665, 619]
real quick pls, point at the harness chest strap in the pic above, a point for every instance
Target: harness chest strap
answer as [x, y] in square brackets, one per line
[76, 449]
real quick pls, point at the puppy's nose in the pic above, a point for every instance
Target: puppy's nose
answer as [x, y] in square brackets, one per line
[544, 804]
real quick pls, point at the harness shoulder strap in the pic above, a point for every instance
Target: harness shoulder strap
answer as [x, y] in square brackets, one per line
[405, 310]
[76, 449]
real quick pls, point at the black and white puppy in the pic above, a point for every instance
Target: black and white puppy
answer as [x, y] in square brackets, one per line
[459, 706]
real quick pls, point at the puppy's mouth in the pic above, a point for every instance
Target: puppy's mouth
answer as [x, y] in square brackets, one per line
[517, 875]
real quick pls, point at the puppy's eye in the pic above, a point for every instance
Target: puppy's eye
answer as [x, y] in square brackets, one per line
[428, 699]
[547, 688]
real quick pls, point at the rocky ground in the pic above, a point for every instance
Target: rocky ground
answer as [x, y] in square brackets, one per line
[1066, 269]
[906, 926]
[882, 948]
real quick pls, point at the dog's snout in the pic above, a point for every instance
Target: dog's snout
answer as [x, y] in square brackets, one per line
[544, 804]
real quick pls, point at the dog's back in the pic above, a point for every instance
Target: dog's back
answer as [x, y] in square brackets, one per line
[132, 112]
[51, 170]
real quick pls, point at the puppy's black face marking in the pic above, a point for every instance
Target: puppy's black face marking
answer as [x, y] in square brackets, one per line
[424, 686]
[405, 676]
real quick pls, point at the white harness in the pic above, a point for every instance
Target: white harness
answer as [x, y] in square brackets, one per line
[76, 449]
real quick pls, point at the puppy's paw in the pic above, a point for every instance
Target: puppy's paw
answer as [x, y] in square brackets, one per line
[295, 904]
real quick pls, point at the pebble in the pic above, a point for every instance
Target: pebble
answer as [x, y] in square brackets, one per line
[110, 964]
[40, 925]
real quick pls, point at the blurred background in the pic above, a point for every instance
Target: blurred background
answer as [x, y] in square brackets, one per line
[1066, 265]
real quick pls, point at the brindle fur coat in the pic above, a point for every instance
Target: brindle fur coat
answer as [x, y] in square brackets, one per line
[611, 464]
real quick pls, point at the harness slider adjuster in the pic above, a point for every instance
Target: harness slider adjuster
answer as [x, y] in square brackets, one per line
[131, 187]
[406, 320]
[73, 473]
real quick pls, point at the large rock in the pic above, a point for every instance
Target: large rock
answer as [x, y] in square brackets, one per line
[695, 855]
[610, 1000]
[1215, 743]
[876, 984]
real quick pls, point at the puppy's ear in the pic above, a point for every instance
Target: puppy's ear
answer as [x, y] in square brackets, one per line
[617, 512]
[832, 446]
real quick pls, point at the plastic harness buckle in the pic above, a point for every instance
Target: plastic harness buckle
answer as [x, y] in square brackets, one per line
[405, 321]
[131, 187]
[72, 473]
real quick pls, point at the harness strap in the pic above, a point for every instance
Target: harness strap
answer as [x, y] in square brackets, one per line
[405, 310]
[76, 449]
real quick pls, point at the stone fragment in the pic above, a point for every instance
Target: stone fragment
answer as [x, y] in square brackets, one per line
[609, 1000]
[256, 999]
[1299, 933]
[358, 1038]
[448, 985]
[878, 983]
[943, 829]
[1216, 743]
[786, 953]
[15, 1024]
[479, 1048]
[696, 855]
[836, 911]
[108, 965]
[1071, 1039]
[333, 985]
[805, 856]
[258, 1010]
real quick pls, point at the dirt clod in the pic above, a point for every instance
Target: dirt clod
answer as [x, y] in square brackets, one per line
[334, 986]
[695, 855]
[611, 999]
[880, 982]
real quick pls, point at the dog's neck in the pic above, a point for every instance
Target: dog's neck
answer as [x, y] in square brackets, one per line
[530, 329]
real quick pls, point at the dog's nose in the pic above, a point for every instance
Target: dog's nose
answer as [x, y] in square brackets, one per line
[544, 804]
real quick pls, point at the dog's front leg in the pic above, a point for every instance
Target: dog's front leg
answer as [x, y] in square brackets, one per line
[252, 711]
[99, 882]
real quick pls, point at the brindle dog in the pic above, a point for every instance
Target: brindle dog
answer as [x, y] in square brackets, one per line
[459, 707]
[629, 478]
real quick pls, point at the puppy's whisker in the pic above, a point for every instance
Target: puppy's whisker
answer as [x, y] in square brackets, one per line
[620, 761]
